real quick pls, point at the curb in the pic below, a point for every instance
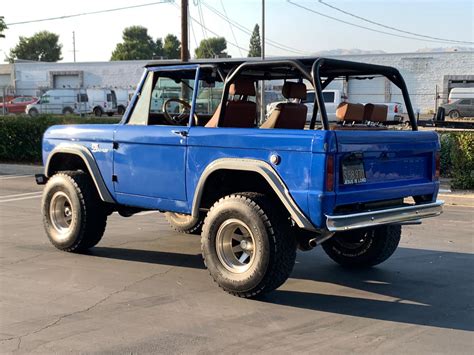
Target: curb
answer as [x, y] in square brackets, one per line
[453, 199]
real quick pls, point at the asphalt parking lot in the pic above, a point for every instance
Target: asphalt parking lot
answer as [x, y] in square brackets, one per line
[144, 289]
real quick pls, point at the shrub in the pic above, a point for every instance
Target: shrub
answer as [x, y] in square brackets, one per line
[462, 158]
[20, 137]
[447, 141]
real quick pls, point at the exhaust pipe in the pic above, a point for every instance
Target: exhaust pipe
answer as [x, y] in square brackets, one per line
[305, 243]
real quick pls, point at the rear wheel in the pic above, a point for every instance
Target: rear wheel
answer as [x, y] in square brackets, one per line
[247, 245]
[120, 110]
[68, 111]
[73, 215]
[365, 247]
[185, 223]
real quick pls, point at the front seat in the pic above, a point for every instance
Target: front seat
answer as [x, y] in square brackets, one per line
[289, 115]
[239, 113]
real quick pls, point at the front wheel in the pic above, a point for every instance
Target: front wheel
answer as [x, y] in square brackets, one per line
[454, 114]
[247, 245]
[98, 112]
[73, 216]
[364, 247]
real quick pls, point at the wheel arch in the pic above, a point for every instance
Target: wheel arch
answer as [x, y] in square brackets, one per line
[75, 157]
[263, 173]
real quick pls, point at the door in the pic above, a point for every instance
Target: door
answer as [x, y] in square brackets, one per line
[150, 152]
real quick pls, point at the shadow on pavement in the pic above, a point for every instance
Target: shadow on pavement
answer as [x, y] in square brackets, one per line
[422, 287]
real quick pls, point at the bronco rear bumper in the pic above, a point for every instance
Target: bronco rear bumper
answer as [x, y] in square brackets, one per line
[403, 214]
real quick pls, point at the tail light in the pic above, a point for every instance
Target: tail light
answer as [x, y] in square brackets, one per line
[330, 173]
[396, 109]
[437, 165]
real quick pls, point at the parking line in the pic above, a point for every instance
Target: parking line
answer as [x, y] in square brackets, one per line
[20, 195]
[8, 177]
[20, 198]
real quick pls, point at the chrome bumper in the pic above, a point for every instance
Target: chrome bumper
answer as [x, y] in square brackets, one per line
[389, 216]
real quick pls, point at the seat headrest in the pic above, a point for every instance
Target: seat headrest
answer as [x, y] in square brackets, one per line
[294, 90]
[243, 87]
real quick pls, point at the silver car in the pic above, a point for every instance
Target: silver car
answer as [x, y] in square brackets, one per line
[459, 108]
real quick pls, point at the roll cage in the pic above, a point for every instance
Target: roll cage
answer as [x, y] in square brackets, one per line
[320, 72]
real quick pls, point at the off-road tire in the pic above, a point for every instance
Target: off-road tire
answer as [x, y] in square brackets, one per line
[185, 223]
[89, 218]
[379, 244]
[454, 114]
[275, 253]
[98, 112]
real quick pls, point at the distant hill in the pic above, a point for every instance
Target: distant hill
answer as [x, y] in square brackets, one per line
[446, 49]
[355, 51]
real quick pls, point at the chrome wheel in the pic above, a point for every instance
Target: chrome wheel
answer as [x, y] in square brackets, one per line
[61, 213]
[235, 246]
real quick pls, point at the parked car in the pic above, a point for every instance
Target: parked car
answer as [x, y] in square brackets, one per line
[254, 192]
[102, 101]
[18, 104]
[59, 102]
[459, 108]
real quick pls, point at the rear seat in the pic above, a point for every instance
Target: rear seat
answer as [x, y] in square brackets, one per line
[357, 116]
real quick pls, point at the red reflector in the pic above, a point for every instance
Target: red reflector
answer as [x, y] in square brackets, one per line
[330, 173]
[437, 165]
[396, 109]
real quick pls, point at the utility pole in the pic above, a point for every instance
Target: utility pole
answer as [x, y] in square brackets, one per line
[184, 31]
[262, 90]
[74, 44]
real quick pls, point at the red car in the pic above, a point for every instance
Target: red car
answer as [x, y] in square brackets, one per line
[18, 104]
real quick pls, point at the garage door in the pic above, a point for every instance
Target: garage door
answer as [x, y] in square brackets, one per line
[368, 90]
[66, 81]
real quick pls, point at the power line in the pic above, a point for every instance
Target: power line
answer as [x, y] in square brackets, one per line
[390, 27]
[231, 28]
[363, 27]
[92, 12]
[249, 32]
[212, 32]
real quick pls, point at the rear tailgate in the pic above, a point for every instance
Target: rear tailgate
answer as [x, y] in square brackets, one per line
[385, 165]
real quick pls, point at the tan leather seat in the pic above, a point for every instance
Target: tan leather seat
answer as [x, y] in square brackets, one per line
[375, 113]
[239, 113]
[350, 112]
[289, 115]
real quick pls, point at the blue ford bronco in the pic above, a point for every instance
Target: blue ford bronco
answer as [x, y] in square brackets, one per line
[195, 145]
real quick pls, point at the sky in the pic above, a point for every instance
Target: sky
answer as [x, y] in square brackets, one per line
[287, 25]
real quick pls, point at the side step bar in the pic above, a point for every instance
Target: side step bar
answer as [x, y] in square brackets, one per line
[397, 215]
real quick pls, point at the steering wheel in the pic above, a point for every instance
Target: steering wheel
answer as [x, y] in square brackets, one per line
[181, 117]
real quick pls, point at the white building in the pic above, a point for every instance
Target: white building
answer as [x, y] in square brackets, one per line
[426, 75]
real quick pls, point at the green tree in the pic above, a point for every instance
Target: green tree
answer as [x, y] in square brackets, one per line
[3, 26]
[255, 48]
[212, 47]
[158, 49]
[42, 46]
[171, 47]
[137, 44]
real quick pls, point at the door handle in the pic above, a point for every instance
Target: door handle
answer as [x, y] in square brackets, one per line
[180, 133]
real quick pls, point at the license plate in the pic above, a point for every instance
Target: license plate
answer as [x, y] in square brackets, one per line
[353, 172]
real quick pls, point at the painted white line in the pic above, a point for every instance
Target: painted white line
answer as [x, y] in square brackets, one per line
[20, 195]
[20, 198]
[444, 190]
[8, 177]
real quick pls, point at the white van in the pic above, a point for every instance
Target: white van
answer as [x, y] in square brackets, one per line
[123, 99]
[102, 101]
[460, 93]
[60, 102]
